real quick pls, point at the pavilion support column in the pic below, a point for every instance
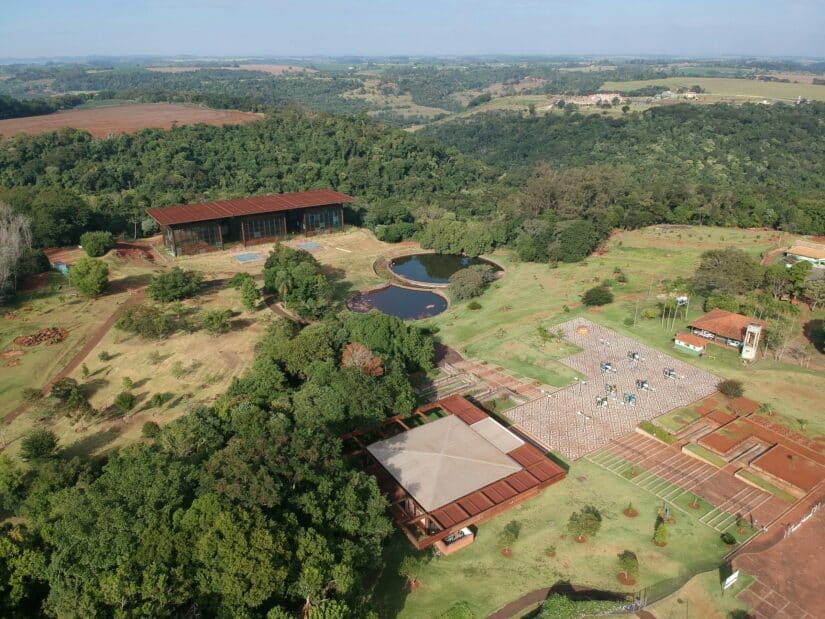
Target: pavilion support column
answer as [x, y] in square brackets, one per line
[342, 216]
[220, 234]
[174, 242]
[243, 231]
[306, 232]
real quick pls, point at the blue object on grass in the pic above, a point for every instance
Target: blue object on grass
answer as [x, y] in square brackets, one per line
[309, 246]
[248, 257]
[60, 266]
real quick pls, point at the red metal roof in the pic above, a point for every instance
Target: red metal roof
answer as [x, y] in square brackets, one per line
[725, 323]
[255, 205]
[689, 338]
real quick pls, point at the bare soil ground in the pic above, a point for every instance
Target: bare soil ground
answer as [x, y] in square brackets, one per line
[788, 576]
[104, 121]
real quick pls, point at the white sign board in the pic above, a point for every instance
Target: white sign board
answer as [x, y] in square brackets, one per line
[731, 580]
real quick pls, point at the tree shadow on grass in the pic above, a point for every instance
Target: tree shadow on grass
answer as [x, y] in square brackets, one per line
[341, 287]
[130, 282]
[812, 330]
[91, 387]
[85, 447]
[391, 590]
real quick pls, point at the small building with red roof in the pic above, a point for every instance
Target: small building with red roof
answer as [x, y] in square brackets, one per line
[729, 329]
[687, 342]
[209, 226]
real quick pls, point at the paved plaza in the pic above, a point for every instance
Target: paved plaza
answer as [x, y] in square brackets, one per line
[571, 421]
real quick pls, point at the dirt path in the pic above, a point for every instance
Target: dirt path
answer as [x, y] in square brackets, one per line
[769, 258]
[82, 353]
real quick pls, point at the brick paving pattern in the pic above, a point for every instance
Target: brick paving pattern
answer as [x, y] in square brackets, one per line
[569, 420]
[669, 474]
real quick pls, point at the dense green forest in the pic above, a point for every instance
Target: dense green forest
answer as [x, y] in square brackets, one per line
[67, 181]
[750, 165]
[247, 508]
[18, 108]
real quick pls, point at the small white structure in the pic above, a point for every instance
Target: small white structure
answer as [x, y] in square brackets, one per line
[750, 345]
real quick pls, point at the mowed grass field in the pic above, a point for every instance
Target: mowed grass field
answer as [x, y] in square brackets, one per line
[728, 87]
[486, 580]
[504, 330]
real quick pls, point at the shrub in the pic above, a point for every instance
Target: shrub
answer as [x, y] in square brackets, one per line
[175, 284]
[470, 282]
[237, 280]
[177, 369]
[146, 321]
[97, 243]
[509, 534]
[216, 321]
[104, 355]
[250, 294]
[727, 538]
[585, 523]
[159, 399]
[474, 306]
[89, 276]
[660, 534]
[649, 313]
[125, 401]
[127, 383]
[629, 564]
[598, 295]
[731, 388]
[410, 567]
[150, 429]
[38, 445]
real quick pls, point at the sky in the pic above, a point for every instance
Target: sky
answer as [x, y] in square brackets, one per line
[47, 28]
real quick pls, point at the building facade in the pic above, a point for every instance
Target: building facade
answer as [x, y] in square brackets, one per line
[197, 228]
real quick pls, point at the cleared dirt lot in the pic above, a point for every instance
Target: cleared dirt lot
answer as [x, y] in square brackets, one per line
[104, 121]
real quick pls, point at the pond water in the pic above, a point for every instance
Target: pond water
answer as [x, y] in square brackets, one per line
[400, 302]
[433, 268]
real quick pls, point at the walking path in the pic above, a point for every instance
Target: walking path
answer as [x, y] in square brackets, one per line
[83, 352]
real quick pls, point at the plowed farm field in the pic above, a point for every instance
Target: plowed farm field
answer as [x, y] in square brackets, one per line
[105, 121]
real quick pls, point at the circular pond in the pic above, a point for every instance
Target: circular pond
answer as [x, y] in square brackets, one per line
[401, 302]
[433, 269]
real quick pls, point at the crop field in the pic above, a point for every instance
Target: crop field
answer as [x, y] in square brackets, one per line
[474, 575]
[104, 121]
[729, 87]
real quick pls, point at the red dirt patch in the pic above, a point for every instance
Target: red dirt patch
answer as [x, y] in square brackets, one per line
[8, 354]
[625, 580]
[506, 552]
[49, 335]
[788, 465]
[580, 539]
[630, 513]
[134, 252]
[104, 121]
[12, 363]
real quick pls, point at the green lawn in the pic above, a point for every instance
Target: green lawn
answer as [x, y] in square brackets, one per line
[767, 486]
[504, 330]
[728, 87]
[703, 597]
[706, 455]
[486, 580]
[675, 420]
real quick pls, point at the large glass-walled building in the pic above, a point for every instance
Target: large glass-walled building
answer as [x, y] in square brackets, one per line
[196, 228]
